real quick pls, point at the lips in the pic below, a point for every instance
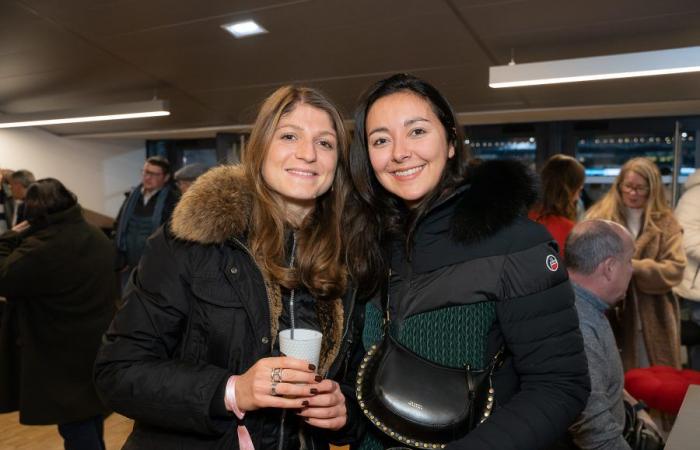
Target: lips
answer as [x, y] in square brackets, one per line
[301, 172]
[408, 172]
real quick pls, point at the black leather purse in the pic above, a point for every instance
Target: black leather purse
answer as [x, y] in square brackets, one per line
[420, 403]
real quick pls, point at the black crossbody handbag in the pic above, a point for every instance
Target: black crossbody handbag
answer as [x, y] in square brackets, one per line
[420, 403]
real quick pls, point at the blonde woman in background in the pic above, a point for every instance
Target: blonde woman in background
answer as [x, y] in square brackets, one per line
[648, 325]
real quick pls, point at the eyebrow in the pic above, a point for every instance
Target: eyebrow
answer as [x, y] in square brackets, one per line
[406, 123]
[298, 128]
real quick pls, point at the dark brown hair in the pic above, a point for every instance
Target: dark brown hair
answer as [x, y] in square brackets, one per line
[319, 260]
[161, 162]
[45, 197]
[561, 177]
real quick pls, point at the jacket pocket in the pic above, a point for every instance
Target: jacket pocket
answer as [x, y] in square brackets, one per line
[218, 323]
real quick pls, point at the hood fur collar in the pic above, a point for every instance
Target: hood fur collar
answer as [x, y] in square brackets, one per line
[215, 208]
[499, 192]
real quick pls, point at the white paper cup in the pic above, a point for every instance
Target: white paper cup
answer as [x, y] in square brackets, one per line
[306, 344]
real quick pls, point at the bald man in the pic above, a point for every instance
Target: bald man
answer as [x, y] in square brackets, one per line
[599, 260]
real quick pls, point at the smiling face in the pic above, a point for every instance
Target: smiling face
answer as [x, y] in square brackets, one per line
[407, 145]
[301, 160]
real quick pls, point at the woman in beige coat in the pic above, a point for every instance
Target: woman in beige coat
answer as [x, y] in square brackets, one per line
[647, 324]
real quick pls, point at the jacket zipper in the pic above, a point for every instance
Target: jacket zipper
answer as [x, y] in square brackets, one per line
[280, 438]
[291, 294]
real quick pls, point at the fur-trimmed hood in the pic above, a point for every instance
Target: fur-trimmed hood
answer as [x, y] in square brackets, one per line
[215, 208]
[498, 193]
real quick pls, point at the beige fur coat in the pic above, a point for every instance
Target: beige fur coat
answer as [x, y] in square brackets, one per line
[658, 263]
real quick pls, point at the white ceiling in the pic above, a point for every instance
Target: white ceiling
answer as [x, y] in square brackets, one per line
[84, 53]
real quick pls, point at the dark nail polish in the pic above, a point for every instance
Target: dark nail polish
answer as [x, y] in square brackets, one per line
[306, 419]
[314, 391]
[312, 367]
[305, 403]
[318, 378]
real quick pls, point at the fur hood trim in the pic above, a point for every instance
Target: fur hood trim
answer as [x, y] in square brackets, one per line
[216, 207]
[499, 192]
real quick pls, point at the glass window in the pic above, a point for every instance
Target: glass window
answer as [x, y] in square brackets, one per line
[206, 157]
[522, 149]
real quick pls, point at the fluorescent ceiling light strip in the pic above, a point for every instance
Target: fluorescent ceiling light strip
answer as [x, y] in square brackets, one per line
[153, 108]
[627, 65]
[38, 123]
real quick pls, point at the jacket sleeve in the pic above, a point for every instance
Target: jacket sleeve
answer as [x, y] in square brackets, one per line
[689, 219]
[597, 428]
[136, 372]
[659, 275]
[539, 324]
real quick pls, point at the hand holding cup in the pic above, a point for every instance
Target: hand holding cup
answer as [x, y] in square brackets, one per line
[278, 382]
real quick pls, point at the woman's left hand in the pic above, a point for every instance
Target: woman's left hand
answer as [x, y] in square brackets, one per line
[327, 408]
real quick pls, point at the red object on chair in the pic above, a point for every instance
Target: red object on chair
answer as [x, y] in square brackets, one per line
[661, 387]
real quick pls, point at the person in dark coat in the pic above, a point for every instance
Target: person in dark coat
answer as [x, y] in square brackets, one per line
[57, 274]
[468, 273]
[193, 356]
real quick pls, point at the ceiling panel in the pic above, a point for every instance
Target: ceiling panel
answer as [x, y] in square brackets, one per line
[82, 53]
[107, 18]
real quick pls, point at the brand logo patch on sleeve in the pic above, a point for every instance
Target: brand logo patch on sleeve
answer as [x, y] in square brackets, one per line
[552, 263]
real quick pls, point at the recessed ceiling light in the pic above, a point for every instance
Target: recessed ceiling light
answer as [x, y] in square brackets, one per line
[244, 29]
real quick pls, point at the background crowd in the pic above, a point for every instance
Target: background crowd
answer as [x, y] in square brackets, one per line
[632, 263]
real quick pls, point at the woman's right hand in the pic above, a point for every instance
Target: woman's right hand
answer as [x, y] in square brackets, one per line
[254, 387]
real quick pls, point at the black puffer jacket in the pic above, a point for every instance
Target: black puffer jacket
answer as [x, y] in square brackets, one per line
[197, 311]
[478, 247]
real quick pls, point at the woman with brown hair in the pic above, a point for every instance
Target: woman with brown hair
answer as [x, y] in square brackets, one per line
[251, 250]
[647, 326]
[561, 184]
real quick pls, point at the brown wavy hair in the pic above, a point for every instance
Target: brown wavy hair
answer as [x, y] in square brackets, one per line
[561, 177]
[319, 261]
[612, 207]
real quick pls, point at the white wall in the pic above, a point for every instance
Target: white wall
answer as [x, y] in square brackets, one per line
[98, 171]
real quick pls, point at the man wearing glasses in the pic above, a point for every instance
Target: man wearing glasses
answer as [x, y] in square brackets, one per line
[147, 206]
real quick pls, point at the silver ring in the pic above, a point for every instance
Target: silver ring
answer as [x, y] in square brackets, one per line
[273, 390]
[276, 375]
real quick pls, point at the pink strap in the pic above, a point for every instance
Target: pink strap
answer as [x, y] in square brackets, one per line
[244, 440]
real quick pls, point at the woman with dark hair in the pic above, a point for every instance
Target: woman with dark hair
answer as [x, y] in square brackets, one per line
[460, 277]
[193, 356]
[562, 180]
[57, 273]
